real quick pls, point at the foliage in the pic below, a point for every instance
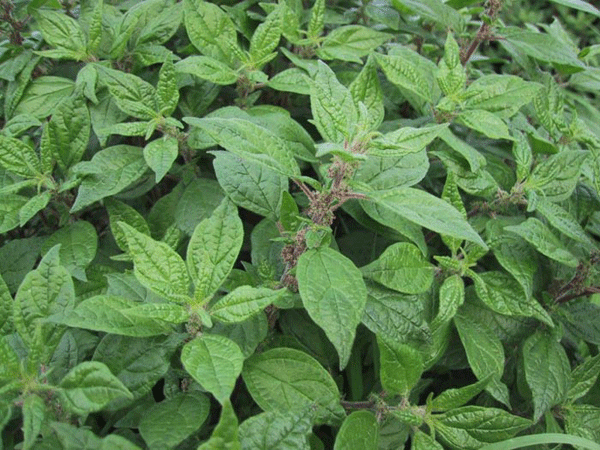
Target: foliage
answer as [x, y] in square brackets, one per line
[299, 225]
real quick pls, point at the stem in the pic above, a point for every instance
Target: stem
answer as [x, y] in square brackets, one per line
[482, 34]
[586, 291]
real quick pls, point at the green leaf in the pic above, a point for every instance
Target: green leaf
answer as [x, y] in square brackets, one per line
[157, 266]
[452, 296]
[46, 290]
[266, 37]
[10, 207]
[66, 136]
[210, 30]
[288, 381]
[160, 155]
[10, 368]
[428, 211]
[351, 42]
[34, 205]
[582, 320]
[422, 441]
[71, 437]
[6, 307]
[89, 386]
[475, 159]
[197, 202]
[584, 421]
[557, 176]
[359, 430]
[121, 212]
[485, 122]
[401, 367]
[317, 20]
[333, 109]
[225, 434]
[366, 88]
[138, 362]
[43, 95]
[249, 184]
[502, 95]
[451, 75]
[404, 141]
[167, 94]
[547, 371]
[502, 293]
[385, 173]
[244, 302]
[169, 422]
[564, 222]
[484, 351]
[19, 158]
[215, 362]
[34, 414]
[579, 5]
[95, 28]
[409, 70]
[290, 80]
[207, 68]
[131, 94]
[276, 430]
[334, 295]
[434, 10]
[250, 141]
[457, 397]
[118, 315]
[62, 31]
[537, 234]
[471, 426]
[78, 244]
[395, 317]
[109, 172]
[213, 249]
[401, 267]
[584, 376]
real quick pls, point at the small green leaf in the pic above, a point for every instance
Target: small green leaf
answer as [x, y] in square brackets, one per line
[401, 367]
[290, 80]
[287, 380]
[366, 88]
[243, 303]
[334, 295]
[351, 42]
[317, 20]
[401, 267]
[169, 422]
[452, 296]
[160, 155]
[157, 266]
[557, 176]
[457, 397]
[19, 158]
[564, 222]
[404, 141]
[485, 122]
[422, 441]
[547, 371]
[537, 234]
[89, 386]
[359, 430]
[34, 205]
[434, 10]
[167, 94]
[207, 68]
[213, 249]
[215, 362]
[118, 315]
[225, 434]
[121, 212]
[451, 75]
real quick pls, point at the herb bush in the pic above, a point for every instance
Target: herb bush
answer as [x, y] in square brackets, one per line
[299, 225]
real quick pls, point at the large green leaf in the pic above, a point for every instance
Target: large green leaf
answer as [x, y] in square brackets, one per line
[215, 362]
[333, 109]
[401, 267]
[266, 37]
[428, 211]
[123, 316]
[287, 381]
[351, 42]
[62, 31]
[360, 430]
[19, 158]
[404, 141]
[243, 303]
[564, 222]
[207, 68]
[213, 249]
[34, 412]
[250, 141]
[89, 387]
[274, 430]
[401, 367]
[547, 371]
[157, 266]
[334, 295]
[584, 376]
[169, 422]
